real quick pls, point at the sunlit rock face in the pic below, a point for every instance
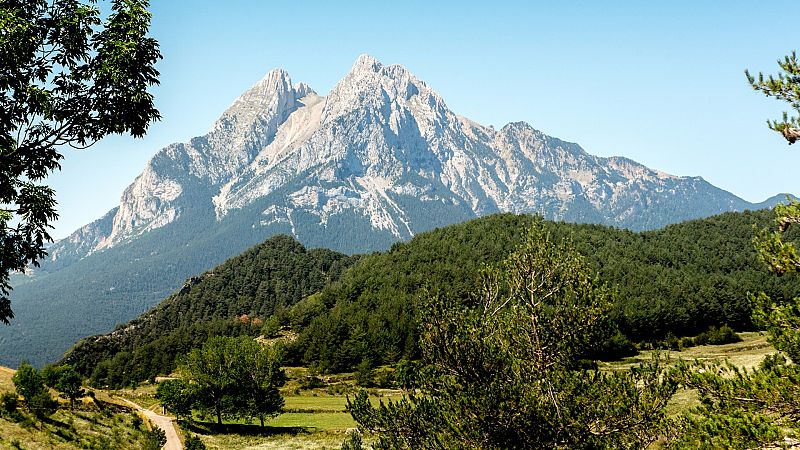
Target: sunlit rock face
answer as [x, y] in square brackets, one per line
[382, 151]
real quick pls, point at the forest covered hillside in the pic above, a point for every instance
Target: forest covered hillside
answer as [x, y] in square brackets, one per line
[340, 311]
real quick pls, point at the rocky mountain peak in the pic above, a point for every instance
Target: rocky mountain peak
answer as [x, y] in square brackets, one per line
[366, 63]
[382, 152]
[272, 95]
[301, 90]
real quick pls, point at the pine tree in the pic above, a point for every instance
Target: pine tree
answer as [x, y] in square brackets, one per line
[786, 87]
[506, 371]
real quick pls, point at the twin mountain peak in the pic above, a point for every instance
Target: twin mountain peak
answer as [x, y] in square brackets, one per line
[378, 159]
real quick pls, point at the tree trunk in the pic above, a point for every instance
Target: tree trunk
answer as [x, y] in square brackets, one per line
[262, 421]
[219, 414]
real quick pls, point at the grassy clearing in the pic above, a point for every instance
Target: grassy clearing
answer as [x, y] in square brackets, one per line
[748, 354]
[313, 418]
[316, 418]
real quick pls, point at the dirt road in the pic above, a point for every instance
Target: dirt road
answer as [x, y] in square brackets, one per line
[163, 422]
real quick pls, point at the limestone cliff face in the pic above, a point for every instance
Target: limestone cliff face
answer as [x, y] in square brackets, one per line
[384, 149]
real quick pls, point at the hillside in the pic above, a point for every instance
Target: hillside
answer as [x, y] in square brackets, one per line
[380, 159]
[233, 298]
[679, 280]
[95, 425]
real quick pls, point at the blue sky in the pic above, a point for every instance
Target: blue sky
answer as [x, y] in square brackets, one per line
[660, 82]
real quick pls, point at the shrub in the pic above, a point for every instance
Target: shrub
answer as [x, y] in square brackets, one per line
[311, 382]
[194, 443]
[722, 335]
[9, 402]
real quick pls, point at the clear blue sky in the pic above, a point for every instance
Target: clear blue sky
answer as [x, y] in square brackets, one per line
[660, 82]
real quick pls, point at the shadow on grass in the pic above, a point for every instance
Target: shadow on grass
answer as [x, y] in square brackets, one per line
[239, 428]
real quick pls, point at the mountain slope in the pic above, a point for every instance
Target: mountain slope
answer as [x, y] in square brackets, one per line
[381, 158]
[231, 299]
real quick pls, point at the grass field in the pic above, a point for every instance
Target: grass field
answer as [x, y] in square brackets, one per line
[747, 354]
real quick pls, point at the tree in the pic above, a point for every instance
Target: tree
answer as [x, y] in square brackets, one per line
[68, 78]
[236, 377]
[70, 384]
[786, 87]
[42, 405]
[28, 381]
[177, 397]
[264, 379]
[505, 370]
[212, 369]
[64, 379]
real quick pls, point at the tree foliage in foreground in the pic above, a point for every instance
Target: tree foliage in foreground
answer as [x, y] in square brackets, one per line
[67, 77]
[504, 371]
[786, 87]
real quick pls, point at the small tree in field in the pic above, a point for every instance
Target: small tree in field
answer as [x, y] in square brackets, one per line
[66, 380]
[236, 377]
[177, 397]
[264, 377]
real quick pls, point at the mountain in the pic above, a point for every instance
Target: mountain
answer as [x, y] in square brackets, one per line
[379, 159]
[383, 152]
[679, 280]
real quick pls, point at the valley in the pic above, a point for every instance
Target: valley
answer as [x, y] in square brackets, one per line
[316, 419]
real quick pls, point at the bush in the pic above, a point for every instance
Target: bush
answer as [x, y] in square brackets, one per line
[42, 405]
[311, 382]
[722, 335]
[353, 441]
[194, 443]
[384, 378]
[713, 336]
[155, 439]
[271, 327]
[616, 347]
[9, 402]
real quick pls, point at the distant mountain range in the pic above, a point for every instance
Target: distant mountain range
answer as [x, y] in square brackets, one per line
[379, 159]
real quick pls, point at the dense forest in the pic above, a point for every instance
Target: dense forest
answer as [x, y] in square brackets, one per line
[346, 310]
[232, 299]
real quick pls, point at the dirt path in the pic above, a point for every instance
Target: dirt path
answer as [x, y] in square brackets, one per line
[163, 422]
